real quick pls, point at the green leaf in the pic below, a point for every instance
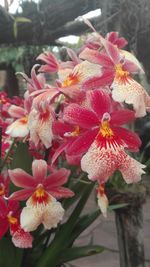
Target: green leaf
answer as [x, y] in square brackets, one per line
[15, 29]
[83, 223]
[22, 19]
[19, 20]
[117, 206]
[78, 252]
[10, 256]
[22, 158]
[51, 255]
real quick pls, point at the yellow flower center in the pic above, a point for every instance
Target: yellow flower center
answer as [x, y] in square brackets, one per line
[72, 79]
[120, 73]
[2, 189]
[76, 132]
[40, 196]
[105, 129]
[40, 192]
[11, 219]
[24, 120]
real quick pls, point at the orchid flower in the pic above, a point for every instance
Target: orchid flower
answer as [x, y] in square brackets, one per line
[104, 142]
[42, 191]
[9, 219]
[18, 128]
[40, 124]
[124, 87]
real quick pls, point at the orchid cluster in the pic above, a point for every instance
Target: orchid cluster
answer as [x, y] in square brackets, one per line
[82, 118]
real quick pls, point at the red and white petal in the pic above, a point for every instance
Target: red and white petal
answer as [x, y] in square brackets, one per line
[39, 170]
[18, 128]
[52, 214]
[96, 57]
[96, 82]
[129, 56]
[21, 178]
[131, 140]
[99, 162]
[103, 203]
[131, 169]
[22, 239]
[87, 69]
[40, 129]
[83, 117]
[112, 51]
[100, 102]
[16, 112]
[133, 93]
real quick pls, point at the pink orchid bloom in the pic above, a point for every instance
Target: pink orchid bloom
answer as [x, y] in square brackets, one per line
[71, 80]
[42, 191]
[104, 141]
[51, 63]
[124, 87]
[9, 219]
[68, 134]
[40, 122]
[113, 37]
[19, 128]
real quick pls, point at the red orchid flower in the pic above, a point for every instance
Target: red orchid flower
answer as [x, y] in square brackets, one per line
[9, 219]
[42, 206]
[117, 73]
[104, 141]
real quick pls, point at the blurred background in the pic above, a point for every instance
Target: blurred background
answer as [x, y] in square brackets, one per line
[27, 27]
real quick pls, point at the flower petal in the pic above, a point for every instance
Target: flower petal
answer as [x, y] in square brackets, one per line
[3, 227]
[131, 139]
[82, 143]
[96, 57]
[58, 151]
[16, 112]
[82, 117]
[21, 194]
[100, 102]
[18, 128]
[99, 163]
[60, 128]
[22, 239]
[120, 117]
[31, 218]
[96, 82]
[21, 178]
[3, 207]
[113, 52]
[57, 178]
[52, 214]
[60, 192]
[133, 93]
[39, 170]
[131, 170]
